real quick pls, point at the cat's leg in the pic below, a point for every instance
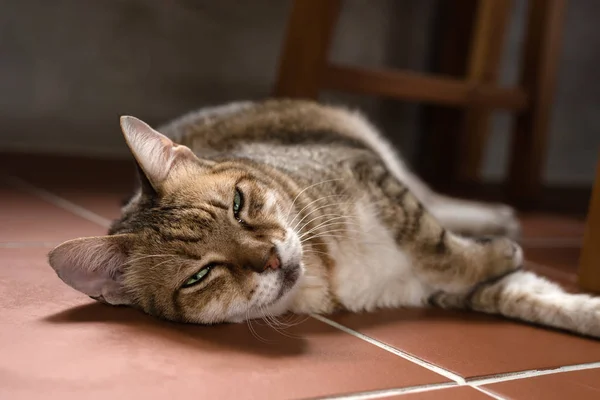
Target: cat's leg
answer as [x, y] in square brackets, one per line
[442, 259]
[469, 273]
[528, 297]
[474, 218]
[466, 217]
[479, 274]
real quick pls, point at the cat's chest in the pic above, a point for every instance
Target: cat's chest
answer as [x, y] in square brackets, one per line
[370, 270]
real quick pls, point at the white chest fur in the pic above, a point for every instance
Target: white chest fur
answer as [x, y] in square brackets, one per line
[371, 271]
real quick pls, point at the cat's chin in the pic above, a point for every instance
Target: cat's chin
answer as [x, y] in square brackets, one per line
[278, 308]
[280, 304]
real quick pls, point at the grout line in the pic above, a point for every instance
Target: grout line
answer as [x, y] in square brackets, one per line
[380, 394]
[460, 381]
[487, 392]
[439, 370]
[529, 374]
[19, 245]
[474, 383]
[58, 201]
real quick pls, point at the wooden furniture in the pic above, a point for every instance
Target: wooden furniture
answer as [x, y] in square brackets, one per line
[304, 70]
[589, 265]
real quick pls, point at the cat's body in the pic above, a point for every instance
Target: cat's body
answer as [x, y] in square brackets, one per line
[294, 206]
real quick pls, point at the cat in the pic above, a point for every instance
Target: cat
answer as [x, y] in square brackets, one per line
[256, 209]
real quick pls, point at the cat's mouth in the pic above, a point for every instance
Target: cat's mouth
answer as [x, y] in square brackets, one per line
[288, 281]
[289, 276]
[290, 251]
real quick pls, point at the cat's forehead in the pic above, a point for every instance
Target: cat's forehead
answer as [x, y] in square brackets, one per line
[171, 225]
[213, 185]
[193, 187]
[188, 215]
[192, 208]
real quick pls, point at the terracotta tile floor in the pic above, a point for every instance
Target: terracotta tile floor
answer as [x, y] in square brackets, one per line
[56, 343]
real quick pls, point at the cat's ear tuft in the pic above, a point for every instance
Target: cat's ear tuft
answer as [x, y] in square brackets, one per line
[94, 266]
[155, 153]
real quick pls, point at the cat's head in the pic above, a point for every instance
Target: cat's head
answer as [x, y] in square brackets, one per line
[202, 241]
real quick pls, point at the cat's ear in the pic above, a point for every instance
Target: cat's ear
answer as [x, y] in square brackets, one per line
[155, 153]
[94, 266]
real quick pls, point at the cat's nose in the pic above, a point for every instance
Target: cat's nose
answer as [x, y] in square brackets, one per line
[273, 261]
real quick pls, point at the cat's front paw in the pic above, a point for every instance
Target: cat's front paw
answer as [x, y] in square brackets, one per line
[503, 256]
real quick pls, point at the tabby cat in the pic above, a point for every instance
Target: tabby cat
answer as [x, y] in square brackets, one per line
[256, 209]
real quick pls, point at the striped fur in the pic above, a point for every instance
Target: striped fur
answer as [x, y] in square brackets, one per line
[332, 219]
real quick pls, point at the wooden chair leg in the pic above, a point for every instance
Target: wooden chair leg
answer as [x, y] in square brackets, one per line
[439, 150]
[306, 47]
[485, 56]
[589, 263]
[538, 76]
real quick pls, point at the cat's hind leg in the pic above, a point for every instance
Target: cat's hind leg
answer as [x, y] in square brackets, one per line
[473, 218]
[440, 258]
[531, 298]
[482, 274]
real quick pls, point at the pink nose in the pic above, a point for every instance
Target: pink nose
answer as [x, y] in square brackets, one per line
[273, 261]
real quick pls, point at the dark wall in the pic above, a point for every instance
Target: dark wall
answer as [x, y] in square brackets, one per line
[69, 68]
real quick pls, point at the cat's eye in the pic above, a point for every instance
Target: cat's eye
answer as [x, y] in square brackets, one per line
[238, 202]
[197, 277]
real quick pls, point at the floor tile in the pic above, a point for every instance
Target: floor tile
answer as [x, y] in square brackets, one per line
[557, 264]
[106, 205]
[579, 385]
[95, 184]
[563, 258]
[457, 393]
[472, 344]
[26, 218]
[77, 348]
[58, 344]
[542, 225]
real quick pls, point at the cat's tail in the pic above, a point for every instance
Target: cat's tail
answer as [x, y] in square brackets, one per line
[528, 297]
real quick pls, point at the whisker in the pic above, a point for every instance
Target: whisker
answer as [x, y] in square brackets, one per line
[329, 196]
[329, 223]
[345, 230]
[252, 330]
[327, 234]
[315, 251]
[305, 189]
[311, 203]
[292, 322]
[272, 322]
[277, 328]
[317, 209]
[319, 235]
[254, 333]
[387, 245]
[349, 217]
[315, 218]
